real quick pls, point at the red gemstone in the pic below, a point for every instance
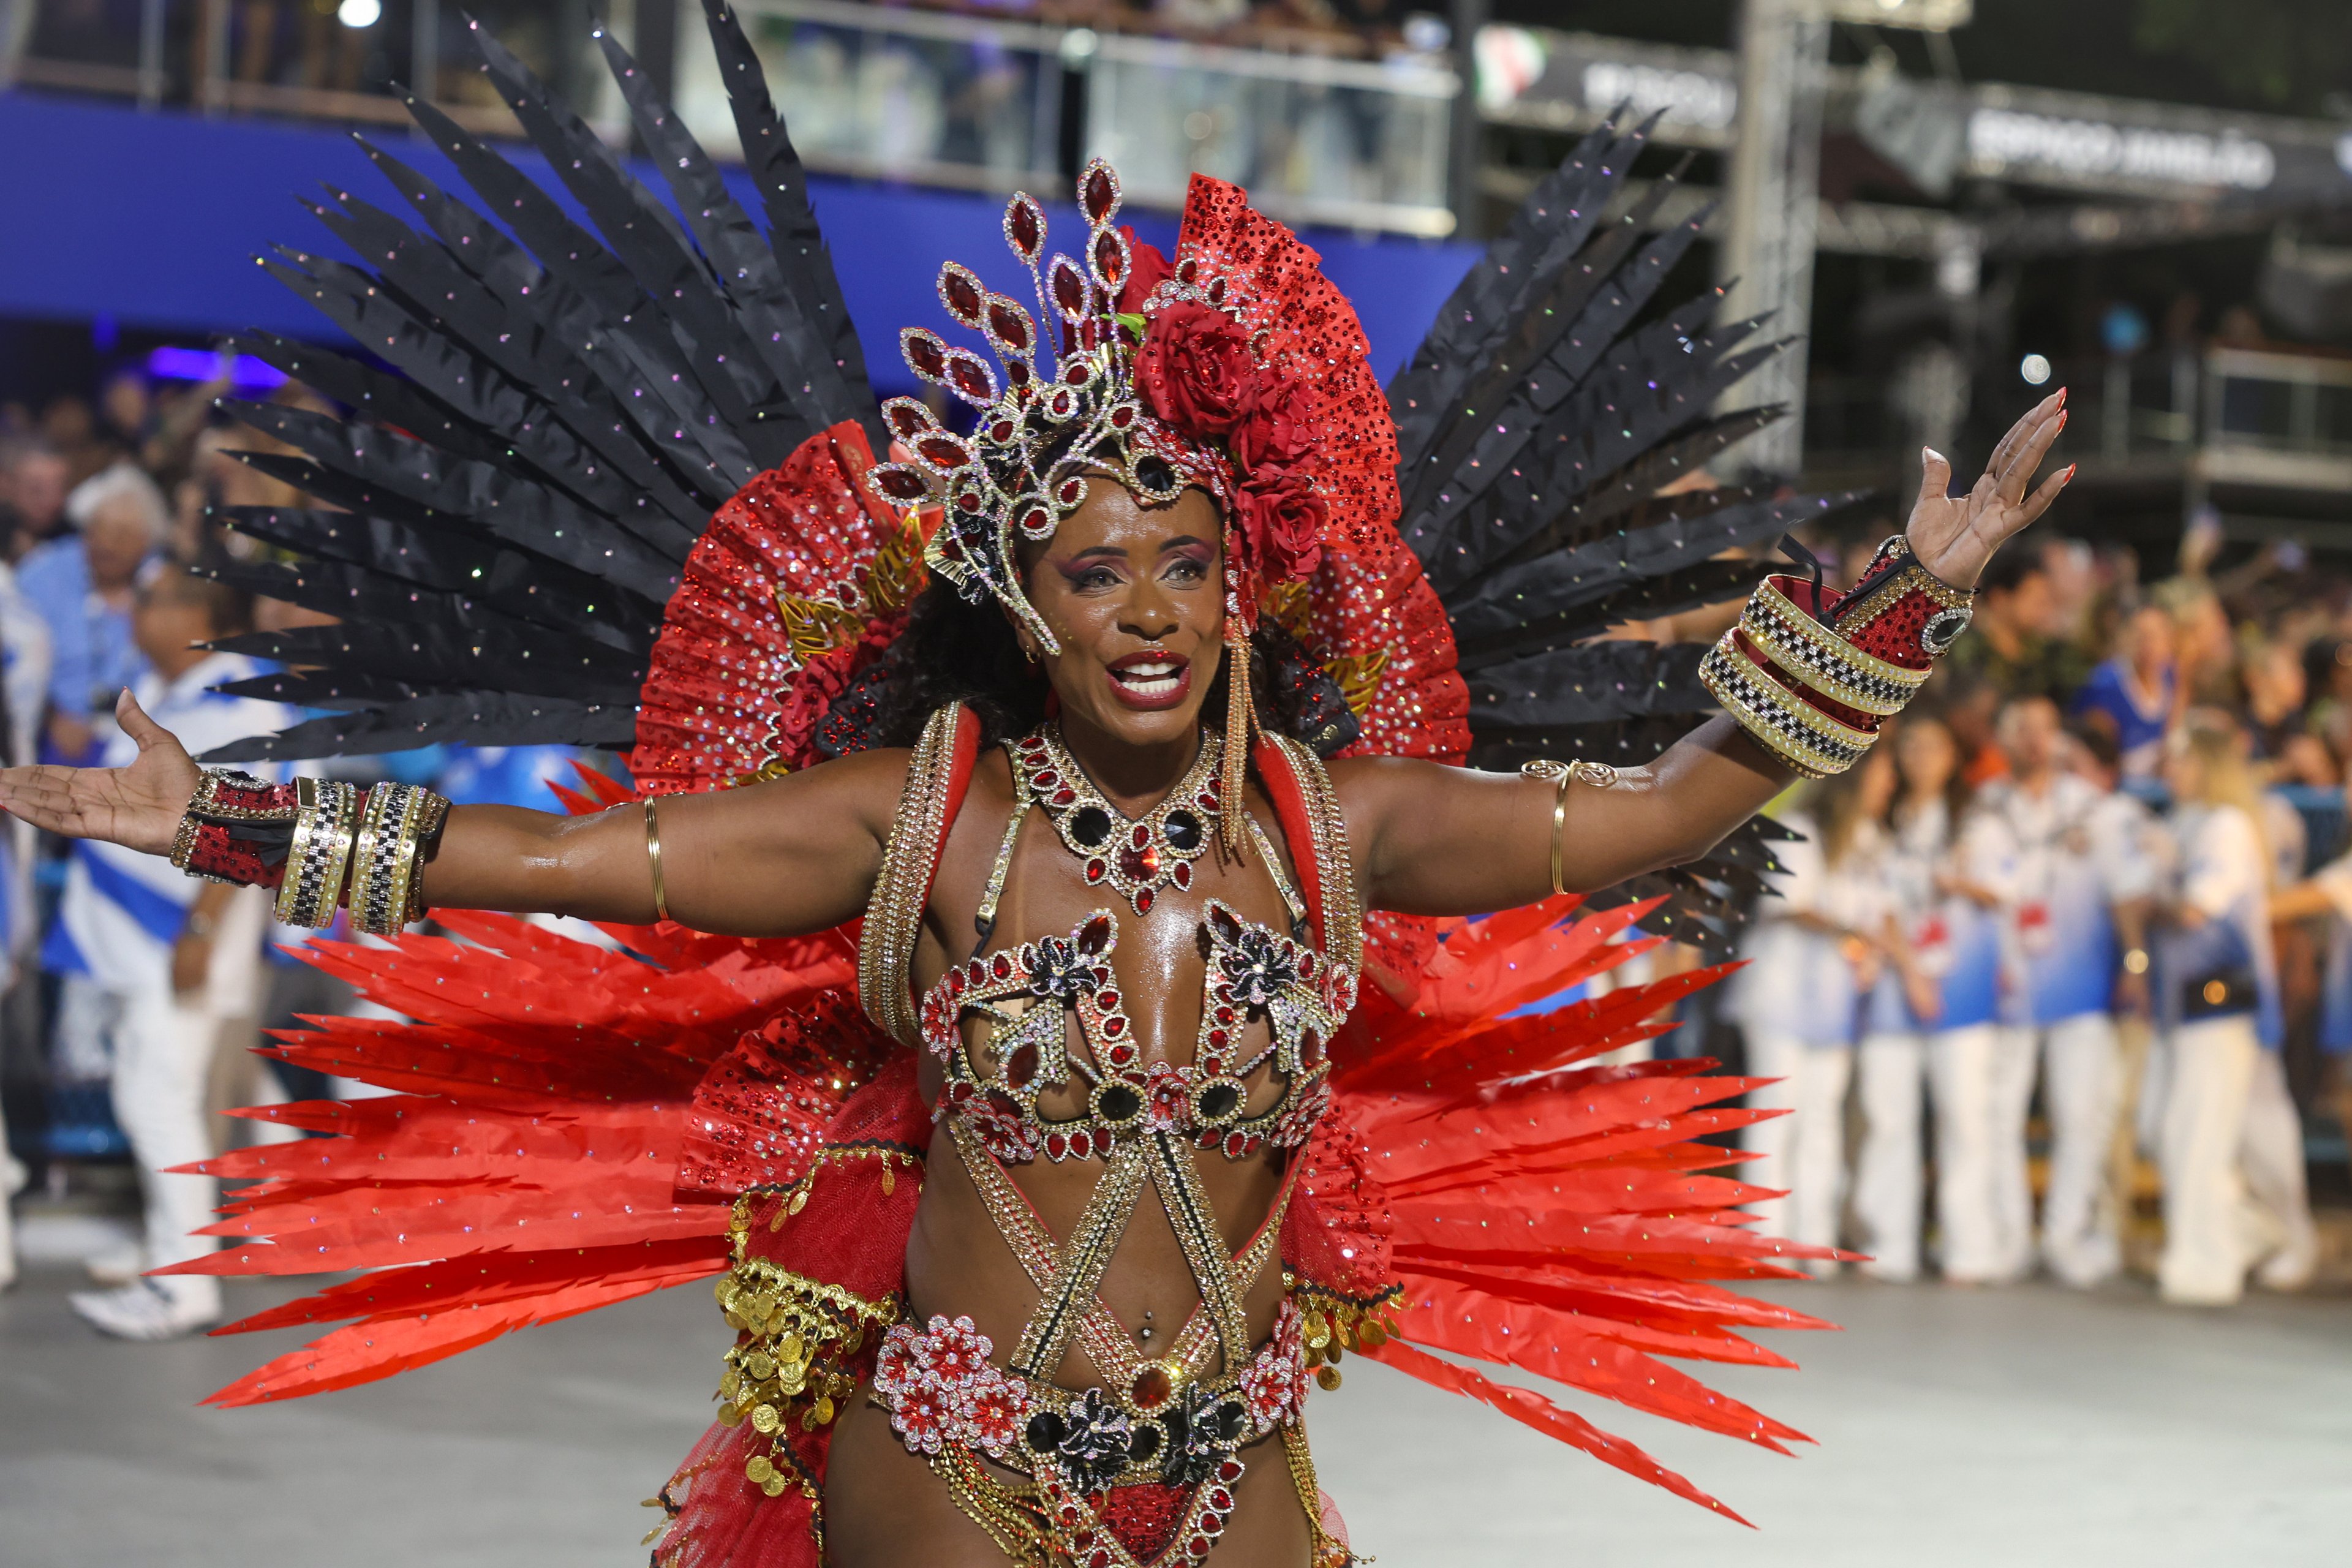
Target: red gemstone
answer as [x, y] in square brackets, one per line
[1022, 1067]
[1221, 1499]
[1099, 195]
[1057, 1145]
[925, 353]
[1151, 1388]
[942, 450]
[1096, 871]
[1107, 1001]
[1197, 1547]
[1048, 777]
[1111, 258]
[1114, 1024]
[1001, 965]
[1139, 865]
[1182, 874]
[962, 293]
[1003, 432]
[1230, 1471]
[955, 983]
[1219, 1039]
[1010, 324]
[1236, 1145]
[1069, 286]
[1102, 1141]
[1310, 1048]
[1024, 225]
[1144, 899]
[1120, 1055]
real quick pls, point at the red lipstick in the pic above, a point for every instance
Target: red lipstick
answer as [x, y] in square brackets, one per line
[1151, 680]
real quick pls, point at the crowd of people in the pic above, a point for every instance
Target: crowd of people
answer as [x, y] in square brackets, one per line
[135, 991]
[2078, 864]
[2097, 861]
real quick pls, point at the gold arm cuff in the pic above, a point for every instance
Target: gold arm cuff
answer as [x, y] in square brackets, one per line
[325, 816]
[1800, 735]
[652, 859]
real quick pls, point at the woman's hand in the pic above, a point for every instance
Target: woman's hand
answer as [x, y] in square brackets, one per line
[138, 808]
[1955, 536]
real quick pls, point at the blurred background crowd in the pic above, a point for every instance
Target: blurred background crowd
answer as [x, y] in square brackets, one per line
[2062, 979]
[135, 995]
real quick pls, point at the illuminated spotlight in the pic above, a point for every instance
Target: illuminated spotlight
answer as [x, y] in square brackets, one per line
[360, 13]
[2034, 369]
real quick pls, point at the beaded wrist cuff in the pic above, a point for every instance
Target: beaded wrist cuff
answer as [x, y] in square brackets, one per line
[1812, 683]
[235, 830]
[323, 829]
[393, 827]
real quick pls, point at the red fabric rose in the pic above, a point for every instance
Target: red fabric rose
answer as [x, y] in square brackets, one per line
[1280, 520]
[1276, 427]
[1148, 269]
[1194, 368]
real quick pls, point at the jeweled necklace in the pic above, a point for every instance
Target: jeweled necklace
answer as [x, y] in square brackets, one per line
[1138, 856]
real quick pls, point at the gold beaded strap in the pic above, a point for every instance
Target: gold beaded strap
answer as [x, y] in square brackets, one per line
[1334, 871]
[326, 818]
[894, 917]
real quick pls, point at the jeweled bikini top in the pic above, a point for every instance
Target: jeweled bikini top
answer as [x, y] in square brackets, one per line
[1252, 971]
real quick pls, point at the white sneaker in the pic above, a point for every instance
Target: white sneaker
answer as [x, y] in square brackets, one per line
[116, 1265]
[148, 1309]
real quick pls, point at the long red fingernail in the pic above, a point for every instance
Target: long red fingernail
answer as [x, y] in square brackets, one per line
[2062, 419]
[2061, 395]
[2070, 473]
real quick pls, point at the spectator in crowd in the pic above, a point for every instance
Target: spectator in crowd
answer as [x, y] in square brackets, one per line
[2220, 1004]
[2018, 642]
[2136, 695]
[32, 494]
[1815, 953]
[2206, 647]
[2077, 899]
[82, 584]
[2276, 694]
[153, 961]
[1973, 1062]
[1917, 991]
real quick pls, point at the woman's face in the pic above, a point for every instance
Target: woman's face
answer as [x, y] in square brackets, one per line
[1925, 753]
[1134, 595]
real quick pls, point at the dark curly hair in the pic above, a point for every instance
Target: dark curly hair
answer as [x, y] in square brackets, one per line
[955, 651]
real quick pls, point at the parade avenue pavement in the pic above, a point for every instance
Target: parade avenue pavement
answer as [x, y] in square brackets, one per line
[2016, 1428]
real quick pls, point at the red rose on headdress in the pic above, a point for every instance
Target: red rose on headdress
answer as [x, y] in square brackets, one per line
[1194, 368]
[1147, 270]
[1280, 520]
[1276, 427]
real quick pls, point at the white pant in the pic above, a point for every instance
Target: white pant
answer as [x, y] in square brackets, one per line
[160, 1053]
[2210, 1079]
[1982, 1203]
[162, 1049]
[2272, 1160]
[2081, 1085]
[1887, 1171]
[1804, 1151]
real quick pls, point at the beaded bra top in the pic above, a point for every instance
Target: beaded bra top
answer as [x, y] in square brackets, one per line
[1026, 995]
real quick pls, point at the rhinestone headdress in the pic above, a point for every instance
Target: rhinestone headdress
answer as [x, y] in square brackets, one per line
[1049, 421]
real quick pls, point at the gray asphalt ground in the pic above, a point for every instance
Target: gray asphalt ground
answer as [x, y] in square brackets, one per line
[2018, 1427]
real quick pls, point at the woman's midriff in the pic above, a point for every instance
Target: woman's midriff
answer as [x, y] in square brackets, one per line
[884, 1506]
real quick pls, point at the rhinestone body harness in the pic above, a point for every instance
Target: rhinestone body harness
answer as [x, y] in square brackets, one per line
[1176, 1421]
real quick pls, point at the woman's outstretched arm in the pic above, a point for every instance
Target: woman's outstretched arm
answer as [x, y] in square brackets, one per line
[1438, 840]
[799, 854]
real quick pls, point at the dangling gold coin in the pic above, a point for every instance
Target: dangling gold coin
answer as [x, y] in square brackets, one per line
[763, 1418]
[773, 1486]
[759, 1469]
[823, 1410]
[1327, 1377]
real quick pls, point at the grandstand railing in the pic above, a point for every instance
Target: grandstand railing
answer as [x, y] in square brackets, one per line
[936, 97]
[2219, 417]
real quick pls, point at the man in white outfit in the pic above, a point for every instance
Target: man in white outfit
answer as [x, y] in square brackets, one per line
[153, 961]
[2077, 900]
